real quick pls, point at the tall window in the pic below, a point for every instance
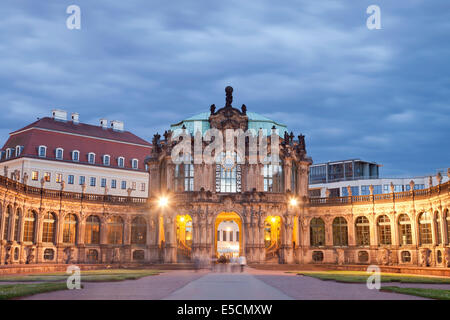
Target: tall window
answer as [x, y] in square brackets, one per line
[425, 233]
[362, 226]
[138, 231]
[48, 230]
[91, 157]
[70, 179]
[447, 218]
[92, 233]
[228, 173]
[59, 153]
[121, 162]
[404, 230]
[16, 225]
[437, 217]
[70, 228]
[184, 177]
[340, 233]
[76, 155]
[273, 178]
[317, 232]
[115, 230]
[134, 163]
[29, 227]
[7, 223]
[384, 230]
[294, 178]
[106, 160]
[42, 151]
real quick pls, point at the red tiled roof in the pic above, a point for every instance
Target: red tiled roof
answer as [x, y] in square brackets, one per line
[89, 138]
[85, 129]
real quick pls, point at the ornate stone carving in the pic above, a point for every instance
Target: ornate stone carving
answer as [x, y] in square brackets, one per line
[425, 257]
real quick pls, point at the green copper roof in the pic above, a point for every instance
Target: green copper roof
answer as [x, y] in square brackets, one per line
[255, 122]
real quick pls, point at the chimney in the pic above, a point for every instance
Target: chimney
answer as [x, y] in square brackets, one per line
[75, 118]
[117, 125]
[60, 115]
[104, 123]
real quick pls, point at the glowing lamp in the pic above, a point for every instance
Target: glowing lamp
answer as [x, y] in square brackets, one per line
[163, 201]
[293, 202]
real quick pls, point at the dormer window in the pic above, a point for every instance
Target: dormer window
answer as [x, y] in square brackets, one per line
[76, 155]
[1, 155]
[59, 153]
[91, 157]
[19, 150]
[8, 153]
[106, 160]
[42, 151]
[134, 163]
[121, 162]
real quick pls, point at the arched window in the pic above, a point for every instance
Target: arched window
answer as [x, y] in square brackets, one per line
[48, 228]
[228, 173]
[106, 160]
[362, 226]
[92, 232]
[273, 177]
[135, 164]
[91, 157]
[59, 153]
[121, 162]
[437, 218]
[7, 223]
[404, 230]
[17, 225]
[317, 232]
[70, 228]
[425, 233]
[138, 231]
[76, 155]
[42, 151]
[29, 227]
[447, 218]
[340, 234]
[115, 230]
[384, 230]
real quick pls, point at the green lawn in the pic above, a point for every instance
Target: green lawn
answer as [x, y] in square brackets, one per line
[86, 276]
[361, 276]
[439, 294]
[9, 291]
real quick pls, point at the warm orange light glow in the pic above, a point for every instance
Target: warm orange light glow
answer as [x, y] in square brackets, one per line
[182, 219]
[273, 219]
[293, 202]
[163, 201]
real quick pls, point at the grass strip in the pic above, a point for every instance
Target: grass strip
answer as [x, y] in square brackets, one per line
[361, 277]
[86, 276]
[438, 294]
[10, 291]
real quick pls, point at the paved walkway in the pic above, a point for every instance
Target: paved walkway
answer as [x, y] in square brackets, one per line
[228, 286]
[250, 285]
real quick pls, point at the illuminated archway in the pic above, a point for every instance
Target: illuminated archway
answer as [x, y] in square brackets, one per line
[228, 235]
[184, 234]
[272, 232]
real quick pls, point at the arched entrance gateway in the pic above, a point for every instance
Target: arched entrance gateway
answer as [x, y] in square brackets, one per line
[228, 232]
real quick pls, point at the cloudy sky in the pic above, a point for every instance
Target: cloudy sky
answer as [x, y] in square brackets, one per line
[379, 95]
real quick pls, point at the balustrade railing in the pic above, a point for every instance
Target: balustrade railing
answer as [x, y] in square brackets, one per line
[185, 197]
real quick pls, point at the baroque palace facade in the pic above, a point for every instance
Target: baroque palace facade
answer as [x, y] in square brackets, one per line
[180, 218]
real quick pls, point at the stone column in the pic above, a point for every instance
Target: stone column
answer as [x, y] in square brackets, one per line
[170, 254]
[351, 231]
[38, 236]
[287, 171]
